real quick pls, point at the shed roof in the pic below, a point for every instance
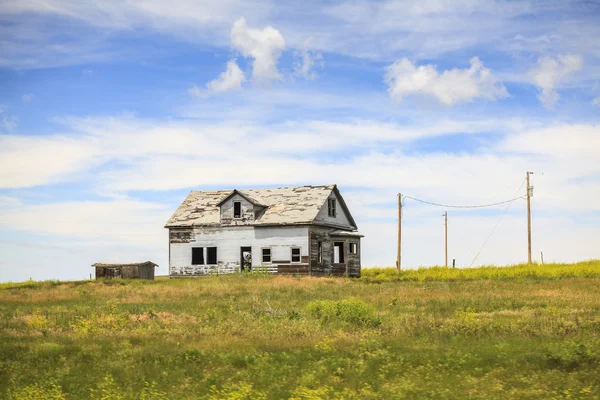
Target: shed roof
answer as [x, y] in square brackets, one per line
[283, 206]
[118, 265]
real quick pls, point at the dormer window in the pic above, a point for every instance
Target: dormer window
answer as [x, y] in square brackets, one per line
[331, 207]
[237, 209]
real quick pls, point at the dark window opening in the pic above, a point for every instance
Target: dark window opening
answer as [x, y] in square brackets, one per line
[331, 207]
[211, 255]
[353, 248]
[338, 253]
[197, 255]
[266, 255]
[320, 252]
[237, 209]
[295, 254]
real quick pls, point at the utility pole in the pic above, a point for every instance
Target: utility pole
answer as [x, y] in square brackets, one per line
[446, 236]
[529, 193]
[398, 264]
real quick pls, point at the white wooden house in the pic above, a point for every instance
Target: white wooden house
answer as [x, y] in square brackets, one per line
[293, 230]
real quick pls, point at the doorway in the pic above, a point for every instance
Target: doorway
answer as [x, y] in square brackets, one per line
[338, 252]
[245, 258]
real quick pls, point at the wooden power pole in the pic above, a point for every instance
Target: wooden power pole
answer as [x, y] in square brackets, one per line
[446, 236]
[529, 193]
[398, 260]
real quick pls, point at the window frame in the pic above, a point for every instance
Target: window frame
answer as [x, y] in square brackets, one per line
[203, 259]
[353, 248]
[292, 255]
[331, 207]
[262, 254]
[320, 252]
[208, 250]
[240, 213]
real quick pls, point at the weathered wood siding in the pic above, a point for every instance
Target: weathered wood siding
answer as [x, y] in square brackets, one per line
[229, 239]
[351, 265]
[126, 272]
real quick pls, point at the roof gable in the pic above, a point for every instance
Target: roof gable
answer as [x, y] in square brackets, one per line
[245, 196]
[283, 206]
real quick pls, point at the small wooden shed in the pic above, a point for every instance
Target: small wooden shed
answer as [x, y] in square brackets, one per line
[143, 270]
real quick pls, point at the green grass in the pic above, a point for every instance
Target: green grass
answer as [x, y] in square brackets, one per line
[514, 332]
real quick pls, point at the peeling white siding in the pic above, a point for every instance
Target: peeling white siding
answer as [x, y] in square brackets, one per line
[227, 216]
[229, 239]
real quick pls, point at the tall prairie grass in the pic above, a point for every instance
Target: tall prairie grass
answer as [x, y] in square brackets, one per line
[513, 332]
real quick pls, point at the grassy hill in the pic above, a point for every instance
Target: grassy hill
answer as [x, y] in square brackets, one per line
[514, 332]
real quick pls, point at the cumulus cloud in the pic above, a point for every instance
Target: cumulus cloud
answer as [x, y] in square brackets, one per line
[231, 79]
[550, 72]
[306, 60]
[451, 87]
[264, 46]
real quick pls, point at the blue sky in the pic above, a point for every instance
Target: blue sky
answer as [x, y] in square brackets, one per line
[111, 112]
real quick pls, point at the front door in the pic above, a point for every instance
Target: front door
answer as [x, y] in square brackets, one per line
[338, 252]
[245, 258]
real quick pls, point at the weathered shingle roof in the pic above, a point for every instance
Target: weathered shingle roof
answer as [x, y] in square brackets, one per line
[284, 206]
[119, 265]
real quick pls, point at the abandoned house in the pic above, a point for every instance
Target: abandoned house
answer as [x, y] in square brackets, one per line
[143, 270]
[306, 230]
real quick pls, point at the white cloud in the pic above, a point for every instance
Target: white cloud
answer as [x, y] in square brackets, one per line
[8, 122]
[596, 101]
[6, 201]
[306, 60]
[26, 98]
[264, 46]
[550, 72]
[29, 160]
[231, 79]
[451, 87]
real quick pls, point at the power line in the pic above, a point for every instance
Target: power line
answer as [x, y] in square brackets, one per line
[469, 206]
[495, 226]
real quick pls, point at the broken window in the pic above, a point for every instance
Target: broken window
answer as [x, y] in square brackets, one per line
[320, 252]
[353, 248]
[266, 255]
[197, 255]
[237, 209]
[211, 255]
[338, 253]
[331, 207]
[295, 254]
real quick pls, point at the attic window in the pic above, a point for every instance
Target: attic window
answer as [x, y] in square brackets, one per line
[237, 209]
[331, 207]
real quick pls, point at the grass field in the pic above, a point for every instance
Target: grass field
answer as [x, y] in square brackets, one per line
[527, 332]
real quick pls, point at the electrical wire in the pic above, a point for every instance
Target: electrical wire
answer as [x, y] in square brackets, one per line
[497, 223]
[469, 206]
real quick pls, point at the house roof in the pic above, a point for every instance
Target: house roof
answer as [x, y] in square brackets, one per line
[283, 206]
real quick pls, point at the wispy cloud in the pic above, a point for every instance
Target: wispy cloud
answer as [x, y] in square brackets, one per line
[451, 87]
[231, 79]
[551, 72]
[26, 98]
[306, 60]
